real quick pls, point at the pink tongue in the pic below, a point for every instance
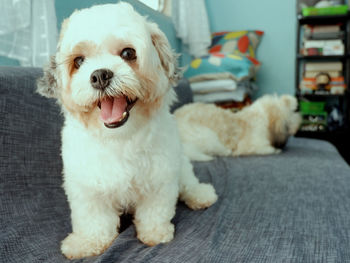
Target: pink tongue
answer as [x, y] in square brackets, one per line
[112, 109]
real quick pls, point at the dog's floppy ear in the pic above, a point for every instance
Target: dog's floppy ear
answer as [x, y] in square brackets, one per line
[47, 84]
[166, 55]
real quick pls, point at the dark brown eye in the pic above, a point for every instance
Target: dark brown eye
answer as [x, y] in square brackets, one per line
[128, 54]
[78, 61]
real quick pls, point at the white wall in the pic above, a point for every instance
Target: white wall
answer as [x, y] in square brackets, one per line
[277, 18]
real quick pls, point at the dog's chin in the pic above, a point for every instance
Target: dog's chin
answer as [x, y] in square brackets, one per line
[115, 111]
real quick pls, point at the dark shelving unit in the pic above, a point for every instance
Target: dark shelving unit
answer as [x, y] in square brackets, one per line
[323, 58]
[341, 137]
[322, 20]
[319, 96]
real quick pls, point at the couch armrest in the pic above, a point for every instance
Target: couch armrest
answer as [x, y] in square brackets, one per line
[184, 94]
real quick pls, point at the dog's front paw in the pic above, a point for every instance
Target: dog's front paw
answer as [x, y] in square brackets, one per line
[78, 246]
[200, 196]
[151, 236]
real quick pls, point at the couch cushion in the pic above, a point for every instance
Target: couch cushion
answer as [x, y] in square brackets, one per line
[184, 94]
[33, 210]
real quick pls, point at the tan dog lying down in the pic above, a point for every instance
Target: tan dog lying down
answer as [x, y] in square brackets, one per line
[262, 128]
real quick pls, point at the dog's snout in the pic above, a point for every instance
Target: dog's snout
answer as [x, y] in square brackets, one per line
[100, 78]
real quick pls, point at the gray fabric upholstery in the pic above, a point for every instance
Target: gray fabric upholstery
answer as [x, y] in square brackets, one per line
[292, 207]
[184, 94]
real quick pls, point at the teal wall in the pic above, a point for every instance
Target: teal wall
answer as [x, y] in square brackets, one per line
[278, 46]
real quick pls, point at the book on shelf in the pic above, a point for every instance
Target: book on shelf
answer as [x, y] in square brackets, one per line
[323, 66]
[312, 29]
[323, 32]
[323, 78]
[323, 47]
[334, 86]
[324, 36]
[323, 40]
[313, 74]
[333, 81]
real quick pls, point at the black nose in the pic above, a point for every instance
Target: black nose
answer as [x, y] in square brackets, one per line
[100, 78]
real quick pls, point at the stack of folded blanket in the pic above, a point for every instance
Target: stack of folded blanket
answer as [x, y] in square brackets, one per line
[227, 73]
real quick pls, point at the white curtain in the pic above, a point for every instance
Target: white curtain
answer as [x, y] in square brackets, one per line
[192, 25]
[28, 31]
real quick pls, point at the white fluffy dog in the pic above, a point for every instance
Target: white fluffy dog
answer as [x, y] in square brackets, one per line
[121, 151]
[261, 128]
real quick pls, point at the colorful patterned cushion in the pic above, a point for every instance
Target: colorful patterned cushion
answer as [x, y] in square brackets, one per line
[221, 65]
[237, 42]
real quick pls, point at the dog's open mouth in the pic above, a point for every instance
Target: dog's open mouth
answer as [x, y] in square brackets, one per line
[115, 110]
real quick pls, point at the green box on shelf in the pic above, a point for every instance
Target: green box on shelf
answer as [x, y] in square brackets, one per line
[325, 11]
[312, 107]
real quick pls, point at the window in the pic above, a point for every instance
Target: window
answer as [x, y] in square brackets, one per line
[155, 4]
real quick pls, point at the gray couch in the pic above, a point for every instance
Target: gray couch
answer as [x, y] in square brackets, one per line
[292, 207]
